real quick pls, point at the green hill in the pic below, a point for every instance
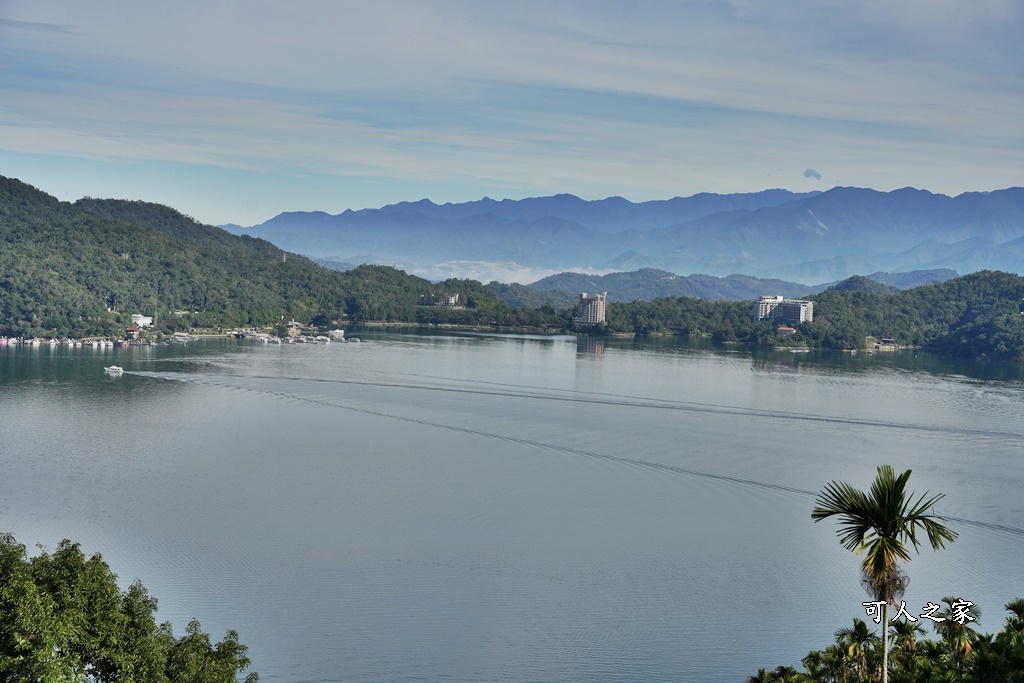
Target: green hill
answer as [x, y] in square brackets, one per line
[974, 316]
[524, 295]
[80, 269]
[859, 283]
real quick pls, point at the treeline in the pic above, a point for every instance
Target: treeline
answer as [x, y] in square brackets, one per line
[64, 618]
[960, 653]
[973, 316]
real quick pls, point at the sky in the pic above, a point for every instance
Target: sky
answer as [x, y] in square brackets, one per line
[233, 111]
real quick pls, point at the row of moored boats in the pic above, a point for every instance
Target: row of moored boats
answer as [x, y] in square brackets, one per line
[15, 341]
[334, 336]
[302, 339]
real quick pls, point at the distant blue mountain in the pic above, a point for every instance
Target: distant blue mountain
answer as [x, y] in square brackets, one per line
[610, 215]
[807, 238]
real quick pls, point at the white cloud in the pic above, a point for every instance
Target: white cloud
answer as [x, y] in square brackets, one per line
[488, 271]
[645, 100]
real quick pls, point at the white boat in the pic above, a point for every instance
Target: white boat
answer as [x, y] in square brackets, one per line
[114, 370]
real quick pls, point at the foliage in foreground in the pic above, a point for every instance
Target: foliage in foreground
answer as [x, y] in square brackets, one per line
[63, 619]
[882, 525]
[960, 654]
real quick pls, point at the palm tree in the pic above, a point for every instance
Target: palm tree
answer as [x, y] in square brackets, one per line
[906, 646]
[787, 674]
[1014, 627]
[814, 665]
[958, 635]
[1001, 659]
[857, 643]
[836, 663]
[880, 524]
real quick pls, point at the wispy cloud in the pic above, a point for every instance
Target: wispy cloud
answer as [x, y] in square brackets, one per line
[37, 26]
[650, 100]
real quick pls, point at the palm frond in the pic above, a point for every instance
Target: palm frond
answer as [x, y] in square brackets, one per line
[882, 525]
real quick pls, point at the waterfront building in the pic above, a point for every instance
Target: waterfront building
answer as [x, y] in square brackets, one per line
[780, 309]
[590, 310]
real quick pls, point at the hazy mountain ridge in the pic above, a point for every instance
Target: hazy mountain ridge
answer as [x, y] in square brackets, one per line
[610, 215]
[775, 234]
[650, 283]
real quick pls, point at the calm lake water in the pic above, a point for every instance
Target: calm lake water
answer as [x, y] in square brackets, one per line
[495, 508]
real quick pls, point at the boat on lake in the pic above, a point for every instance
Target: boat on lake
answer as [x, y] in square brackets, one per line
[114, 370]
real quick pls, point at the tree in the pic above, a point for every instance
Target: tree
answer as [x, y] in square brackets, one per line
[857, 643]
[957, 632]
[906, 646]
[64, 618]
[879, 525]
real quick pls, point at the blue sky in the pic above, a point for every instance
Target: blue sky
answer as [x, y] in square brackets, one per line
[236, 110]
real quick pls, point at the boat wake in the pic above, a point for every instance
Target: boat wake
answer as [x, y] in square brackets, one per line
[242, 383]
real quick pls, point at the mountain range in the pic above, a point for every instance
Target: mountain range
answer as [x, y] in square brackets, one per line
[81, 269]
[804, 238]
[650, 283]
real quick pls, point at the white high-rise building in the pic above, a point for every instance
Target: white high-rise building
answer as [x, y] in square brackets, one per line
[792, 311]
[590, 310]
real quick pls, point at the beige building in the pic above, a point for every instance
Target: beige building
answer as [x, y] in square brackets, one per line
[590, 309]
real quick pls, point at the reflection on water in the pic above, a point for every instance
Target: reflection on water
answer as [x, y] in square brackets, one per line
[487, 507]
[589, 346]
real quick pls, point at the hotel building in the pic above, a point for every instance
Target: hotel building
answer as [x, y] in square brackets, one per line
[791, 311]
[590, 310]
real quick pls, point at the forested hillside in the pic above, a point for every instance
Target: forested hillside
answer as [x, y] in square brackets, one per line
[976, 315]
[81, 269]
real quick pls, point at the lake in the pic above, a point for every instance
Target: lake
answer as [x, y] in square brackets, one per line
[478, 507]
